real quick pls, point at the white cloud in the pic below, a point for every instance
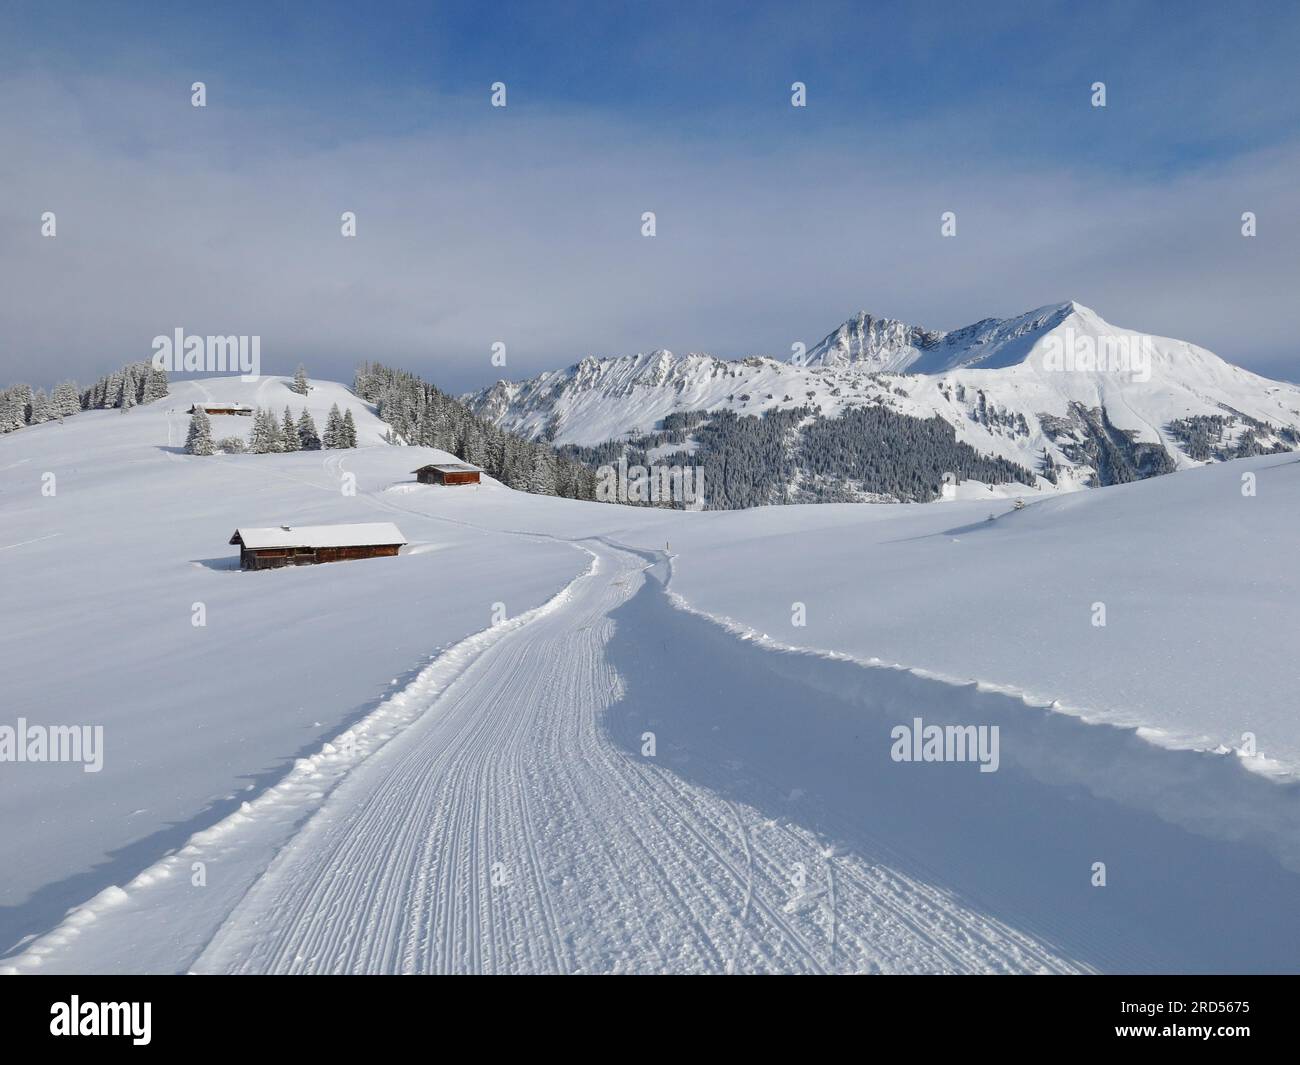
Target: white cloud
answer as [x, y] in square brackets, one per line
[523, 226]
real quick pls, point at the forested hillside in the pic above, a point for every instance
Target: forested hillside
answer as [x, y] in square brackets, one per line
[137, 382]
[801, 456]
[422, 414]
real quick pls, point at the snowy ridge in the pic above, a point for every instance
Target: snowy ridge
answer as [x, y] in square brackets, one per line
[887, 345]
[1004, 386]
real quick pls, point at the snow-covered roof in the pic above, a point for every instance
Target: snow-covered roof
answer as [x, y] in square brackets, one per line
[370, 534]
[450, 467]
[213, 405]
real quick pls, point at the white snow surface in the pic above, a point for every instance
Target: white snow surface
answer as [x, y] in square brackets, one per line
[350, 534]
[374, 777]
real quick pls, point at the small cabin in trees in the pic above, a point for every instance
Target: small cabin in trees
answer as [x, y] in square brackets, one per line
[447, 473]
[223, 408]
[306, 545]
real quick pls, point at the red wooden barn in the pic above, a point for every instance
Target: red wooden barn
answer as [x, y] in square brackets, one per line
[305, 545]
[223, 408]
[447, 473]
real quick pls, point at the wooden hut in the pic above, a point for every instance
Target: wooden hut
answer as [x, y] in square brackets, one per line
[306, 545]
[223, 408]
[447, 473]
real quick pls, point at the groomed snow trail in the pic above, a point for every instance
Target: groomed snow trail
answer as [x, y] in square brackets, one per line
[509, 830]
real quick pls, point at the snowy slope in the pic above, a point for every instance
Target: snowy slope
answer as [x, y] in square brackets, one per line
[273, 393]
[1200, 586]
[100, 585]
[516, 822]
[470, 797]
[982, 379]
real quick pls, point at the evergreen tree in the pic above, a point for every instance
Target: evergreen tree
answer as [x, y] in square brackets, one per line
[155, 384]
[199, 439]
[265, 436]
[349, 430]
[332, 437]
[542, 481]
[127, 398]
[300, 380]
[308, 438]
[41, 410]
[13, 409]
[66, 399]
[112, 392]
[289, 433]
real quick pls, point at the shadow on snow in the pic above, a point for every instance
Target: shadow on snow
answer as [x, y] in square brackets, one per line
[806, 739]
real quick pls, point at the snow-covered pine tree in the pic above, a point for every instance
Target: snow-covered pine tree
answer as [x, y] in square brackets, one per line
[155, 384]
[494, 452]
[289, 433]
[112, 391]
[23, 396]
[41, 411]
[127, 397]
[542, 481]
[265, 436]
[332, 437]
[13, 410]
[308, 437]
[199, 439]
[66, 399]
[300, 381]
[349, 430]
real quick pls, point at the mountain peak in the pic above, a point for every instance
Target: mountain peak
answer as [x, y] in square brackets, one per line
[889, 345]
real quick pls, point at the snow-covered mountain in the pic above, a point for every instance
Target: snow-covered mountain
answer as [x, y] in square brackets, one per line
[887, 345]
[1057, 390]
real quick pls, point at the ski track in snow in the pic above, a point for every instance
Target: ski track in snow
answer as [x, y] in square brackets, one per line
[24, 543]
[506, 830]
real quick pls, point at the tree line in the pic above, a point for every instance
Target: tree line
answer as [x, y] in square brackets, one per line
[798, 455]
[135, 383]
[272, 436]
[420, 414]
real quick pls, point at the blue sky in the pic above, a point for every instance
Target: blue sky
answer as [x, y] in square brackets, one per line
[522, 225]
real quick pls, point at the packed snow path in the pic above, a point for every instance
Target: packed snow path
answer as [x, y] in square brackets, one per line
[510, 830]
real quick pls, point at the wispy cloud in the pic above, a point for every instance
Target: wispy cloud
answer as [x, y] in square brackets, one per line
[523, 226]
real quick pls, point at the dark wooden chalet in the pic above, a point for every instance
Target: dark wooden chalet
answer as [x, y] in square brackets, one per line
[306, 545]
[223, 408]
[447, 473]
